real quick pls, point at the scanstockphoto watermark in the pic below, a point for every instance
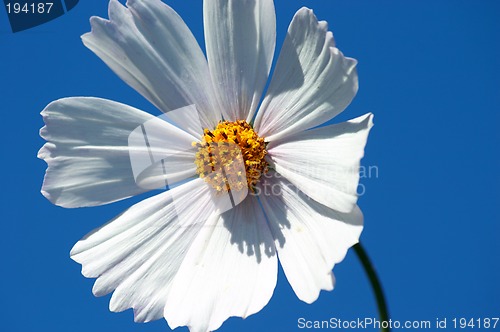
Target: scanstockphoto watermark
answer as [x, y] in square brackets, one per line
[366, 172]
[350, 175]
[162, 156]
[438, 323]
[362, 323]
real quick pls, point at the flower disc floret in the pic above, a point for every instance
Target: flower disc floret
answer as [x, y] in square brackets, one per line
[231, 156]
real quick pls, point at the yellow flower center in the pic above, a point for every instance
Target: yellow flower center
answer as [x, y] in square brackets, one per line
[231, 156]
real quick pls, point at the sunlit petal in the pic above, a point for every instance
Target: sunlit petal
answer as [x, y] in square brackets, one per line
[150, 47]
[312, 82]
[230, 270]
[240, 38]
[88, 155]
[324, 162]
[310, 237]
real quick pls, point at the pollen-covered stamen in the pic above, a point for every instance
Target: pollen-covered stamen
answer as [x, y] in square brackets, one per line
[231, 156]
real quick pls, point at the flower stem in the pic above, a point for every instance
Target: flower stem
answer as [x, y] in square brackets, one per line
[376, 286]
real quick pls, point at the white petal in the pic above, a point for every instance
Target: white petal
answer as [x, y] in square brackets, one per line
[230, 270]
[324, 162]
[87, 151]
[240, 38]
[139, 252]
[150, 47]
[312, 82]
[310, 238]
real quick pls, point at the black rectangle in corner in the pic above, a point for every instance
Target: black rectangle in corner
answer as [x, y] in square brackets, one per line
[25, 14]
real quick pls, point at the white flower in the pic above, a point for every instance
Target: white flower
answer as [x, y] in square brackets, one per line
[200, 269]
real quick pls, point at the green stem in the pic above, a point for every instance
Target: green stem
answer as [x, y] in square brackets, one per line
[376, 286]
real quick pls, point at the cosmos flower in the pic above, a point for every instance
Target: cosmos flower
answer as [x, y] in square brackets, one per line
[184, 253]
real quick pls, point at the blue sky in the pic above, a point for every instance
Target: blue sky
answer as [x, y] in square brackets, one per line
[429, 71]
